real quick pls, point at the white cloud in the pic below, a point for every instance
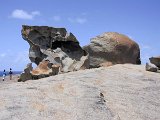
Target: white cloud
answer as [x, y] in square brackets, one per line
[21, 57]
[3, 55]
[84, 13]
[35, 13]
[56, 18]
[81, 20]
[71, 20]
[21, 14]
[145, 47]
[77, 20]
[16, 60]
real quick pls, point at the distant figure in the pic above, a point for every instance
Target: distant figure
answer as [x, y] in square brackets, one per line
[4, 74]
[10, 73]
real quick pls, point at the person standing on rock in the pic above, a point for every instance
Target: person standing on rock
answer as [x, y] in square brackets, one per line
[10, 73]
[4, 74]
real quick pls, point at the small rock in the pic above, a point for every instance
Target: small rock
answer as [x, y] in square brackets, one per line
[155, 61]
[101, 95]
[151, 67]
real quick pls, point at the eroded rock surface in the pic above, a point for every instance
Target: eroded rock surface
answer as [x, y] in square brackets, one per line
[119, 92]
[45, 69]
[56, 46]
[26, 75]
[112, 48]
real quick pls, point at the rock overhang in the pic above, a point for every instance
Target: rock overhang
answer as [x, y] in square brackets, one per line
[55, 45]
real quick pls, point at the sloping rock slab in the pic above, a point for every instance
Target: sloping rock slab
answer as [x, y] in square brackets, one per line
[119, 92]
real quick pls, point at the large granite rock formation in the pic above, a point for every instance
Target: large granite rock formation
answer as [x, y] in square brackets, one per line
[119, 92]
[112, 48]
[57, 47]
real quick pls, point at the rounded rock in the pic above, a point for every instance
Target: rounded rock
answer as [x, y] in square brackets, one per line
[112, 48]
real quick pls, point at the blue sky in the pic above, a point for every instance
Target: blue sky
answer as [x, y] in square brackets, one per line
[138, 19]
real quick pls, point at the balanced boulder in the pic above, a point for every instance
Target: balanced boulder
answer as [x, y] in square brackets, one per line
[112, 48]
[51, 47]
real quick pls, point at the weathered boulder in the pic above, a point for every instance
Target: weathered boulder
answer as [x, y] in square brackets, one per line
[26, 75]
[112, 48]
[57, 47]
[155, 61]
[151, 67]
